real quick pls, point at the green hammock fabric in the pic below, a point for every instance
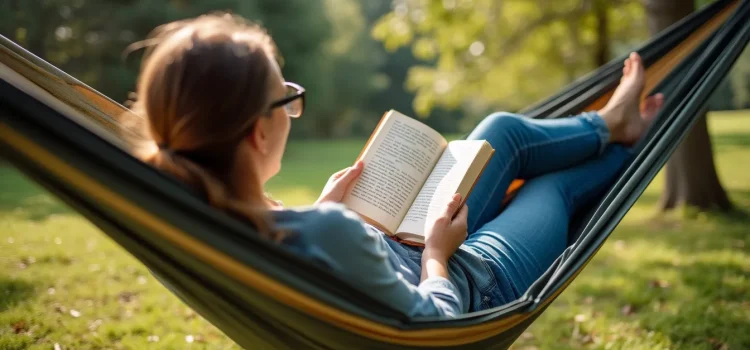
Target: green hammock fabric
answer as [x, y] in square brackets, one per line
[60, 133]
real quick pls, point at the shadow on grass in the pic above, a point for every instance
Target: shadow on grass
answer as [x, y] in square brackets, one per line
[700, 305]
[706, 286]
[13, 292]
[691, 232]
[715, 312]
[741, 199]
[22, 197]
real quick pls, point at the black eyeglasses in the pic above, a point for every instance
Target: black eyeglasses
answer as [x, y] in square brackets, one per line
[294, 102]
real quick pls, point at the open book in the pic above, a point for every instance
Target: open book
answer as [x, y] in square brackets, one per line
[410, 174]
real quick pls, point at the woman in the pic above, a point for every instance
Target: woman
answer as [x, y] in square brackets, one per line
[218, 111]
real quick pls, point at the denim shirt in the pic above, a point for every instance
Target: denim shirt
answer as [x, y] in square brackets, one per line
[389, 271]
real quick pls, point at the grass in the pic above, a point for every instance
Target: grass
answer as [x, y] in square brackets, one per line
[659, 283]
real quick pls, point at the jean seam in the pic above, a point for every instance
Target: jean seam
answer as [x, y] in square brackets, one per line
[600, 126]
[515, 155]
[492, 283]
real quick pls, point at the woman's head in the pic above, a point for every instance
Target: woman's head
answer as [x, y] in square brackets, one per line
[214, 98]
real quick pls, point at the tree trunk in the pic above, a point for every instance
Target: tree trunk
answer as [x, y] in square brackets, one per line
[691, 178]
[602, 35]
[36, 31]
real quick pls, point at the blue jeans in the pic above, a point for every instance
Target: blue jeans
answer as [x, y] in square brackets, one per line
[567, 162]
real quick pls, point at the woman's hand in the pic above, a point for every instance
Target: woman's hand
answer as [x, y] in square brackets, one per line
[446, 233]
[341, 183]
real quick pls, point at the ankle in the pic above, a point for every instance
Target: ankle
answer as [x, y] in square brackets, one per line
[613, 119]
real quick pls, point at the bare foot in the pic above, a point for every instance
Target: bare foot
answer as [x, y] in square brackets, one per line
[651, 107]
[622, 115]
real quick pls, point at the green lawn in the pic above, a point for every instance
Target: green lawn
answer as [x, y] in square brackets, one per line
[659, 282]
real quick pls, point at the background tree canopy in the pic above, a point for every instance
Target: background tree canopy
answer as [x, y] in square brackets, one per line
[448, 61]
[485, 54]
[512, 52]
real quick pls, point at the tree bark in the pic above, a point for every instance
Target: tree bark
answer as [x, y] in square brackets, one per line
[691, 178]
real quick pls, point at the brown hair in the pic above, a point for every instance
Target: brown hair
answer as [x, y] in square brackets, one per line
[203, 84]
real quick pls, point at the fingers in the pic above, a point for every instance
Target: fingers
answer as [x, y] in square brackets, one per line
[463, 213]
[462, 217]
[459, 225]
[452, 206]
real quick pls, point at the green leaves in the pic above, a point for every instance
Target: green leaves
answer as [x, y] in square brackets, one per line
[325, 45]
[394, 31]
[503, 54]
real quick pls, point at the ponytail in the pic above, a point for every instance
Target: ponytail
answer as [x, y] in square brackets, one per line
[202, 128]
[216, 192]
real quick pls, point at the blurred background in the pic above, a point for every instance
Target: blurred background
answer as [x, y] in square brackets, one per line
[673, 275]
[446, 61]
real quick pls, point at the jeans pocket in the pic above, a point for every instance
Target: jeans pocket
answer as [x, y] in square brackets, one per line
[486, 302]
[479, 271]
[488, 286]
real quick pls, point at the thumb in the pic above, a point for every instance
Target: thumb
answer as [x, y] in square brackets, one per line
[337, 175]
[360, 166]
[352, 172]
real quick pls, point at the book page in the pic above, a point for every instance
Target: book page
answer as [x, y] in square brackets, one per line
[397, 161]
[455, 172]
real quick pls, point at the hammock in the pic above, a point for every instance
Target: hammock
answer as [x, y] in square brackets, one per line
[65, 136]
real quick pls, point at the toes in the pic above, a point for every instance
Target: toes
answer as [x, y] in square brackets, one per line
[651, 106]
[658, 101]
[635, 57]
[648, 105]
[659, 98]
[627, 67]
[632, 64]
[637, 63]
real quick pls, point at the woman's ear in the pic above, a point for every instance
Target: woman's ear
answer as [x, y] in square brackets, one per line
[259, 136]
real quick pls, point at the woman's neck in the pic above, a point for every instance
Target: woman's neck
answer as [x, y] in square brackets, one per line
[247, 184]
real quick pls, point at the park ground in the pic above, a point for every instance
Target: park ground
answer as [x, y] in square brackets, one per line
[680, 281]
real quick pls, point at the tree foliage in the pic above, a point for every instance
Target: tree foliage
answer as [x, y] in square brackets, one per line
[325, 45]
[485, 54]
[505, 53]
[358, 59]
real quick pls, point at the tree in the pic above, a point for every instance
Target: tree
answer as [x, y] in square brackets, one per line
[391, 77]
[324, 44]
[345, 76]
[483, 54]
[691, 178]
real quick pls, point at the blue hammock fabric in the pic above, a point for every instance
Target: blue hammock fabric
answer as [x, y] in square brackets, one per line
[66, 137]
